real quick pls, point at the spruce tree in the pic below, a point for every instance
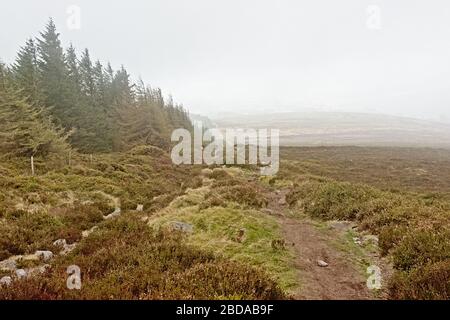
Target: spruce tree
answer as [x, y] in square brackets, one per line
[53, 76]
[25, 71]
[73, 73]
[25, 130]
[86, 73]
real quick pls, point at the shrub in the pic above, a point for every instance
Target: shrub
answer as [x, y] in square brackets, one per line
[430, 282]
[126, 259]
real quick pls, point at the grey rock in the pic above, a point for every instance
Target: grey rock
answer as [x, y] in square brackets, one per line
[140, 207]
[182, 226]
[322, 263]
[87, 233]
[60, 243]
[44, 255]
[8, 265]
[68, 248]
[21, 273]
[114, 214]
[6, 281]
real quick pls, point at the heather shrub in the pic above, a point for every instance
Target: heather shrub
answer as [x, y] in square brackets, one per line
[413, 229]
[126, 259]
[429, 282]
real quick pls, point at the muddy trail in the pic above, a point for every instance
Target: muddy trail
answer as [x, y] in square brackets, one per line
[324, 272]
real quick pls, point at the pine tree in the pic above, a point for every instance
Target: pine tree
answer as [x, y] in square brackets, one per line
[4, 76]
[73, 73]
[100, 87]
[86, 73]
[107, 111]
[53, 76]
[25, 130]
[25, 72]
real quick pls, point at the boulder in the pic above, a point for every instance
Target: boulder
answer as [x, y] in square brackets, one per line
[44, 255]
[5, 281]
[8, 265]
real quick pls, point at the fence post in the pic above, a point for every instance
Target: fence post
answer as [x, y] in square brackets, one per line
[32, 165]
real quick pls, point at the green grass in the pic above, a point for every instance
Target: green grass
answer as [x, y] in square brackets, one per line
[216, 229]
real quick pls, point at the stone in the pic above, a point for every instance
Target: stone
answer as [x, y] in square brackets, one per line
[140, 207]
[182, 226]
[87, 233]
[68, 248]
[21, 273]
[6, 281]
[60, 242]
[8, 265]
[322, 263]
[44, 255]
[114, 214]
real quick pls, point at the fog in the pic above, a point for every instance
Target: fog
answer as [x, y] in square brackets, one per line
[249, 56]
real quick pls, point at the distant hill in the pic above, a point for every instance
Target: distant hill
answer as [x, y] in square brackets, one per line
[204, 121]
[341, 128]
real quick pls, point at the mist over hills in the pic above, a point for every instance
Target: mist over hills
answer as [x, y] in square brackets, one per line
[343, 128]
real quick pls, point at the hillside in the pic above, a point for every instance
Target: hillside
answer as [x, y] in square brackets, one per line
[139, 227]
[340, 128]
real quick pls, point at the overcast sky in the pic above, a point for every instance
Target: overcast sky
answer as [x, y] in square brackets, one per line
[387, 56]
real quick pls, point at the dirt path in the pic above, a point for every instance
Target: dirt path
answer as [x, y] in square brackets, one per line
[341, 279]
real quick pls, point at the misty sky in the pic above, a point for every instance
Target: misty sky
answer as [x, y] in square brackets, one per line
[256, 55]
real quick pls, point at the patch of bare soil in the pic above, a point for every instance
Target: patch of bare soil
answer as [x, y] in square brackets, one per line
[340, 279]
